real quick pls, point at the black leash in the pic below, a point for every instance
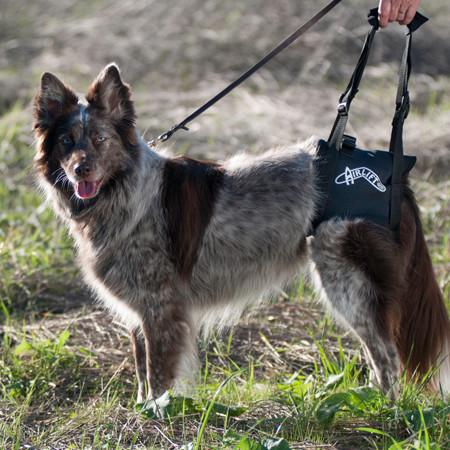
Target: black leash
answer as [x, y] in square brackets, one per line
[274, 52]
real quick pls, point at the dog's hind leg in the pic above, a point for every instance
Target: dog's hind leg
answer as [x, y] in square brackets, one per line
[138, 345]
[354, 268]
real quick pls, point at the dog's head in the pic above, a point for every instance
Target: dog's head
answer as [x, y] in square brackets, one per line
[84, 147]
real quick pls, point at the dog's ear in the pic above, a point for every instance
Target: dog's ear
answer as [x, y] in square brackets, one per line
[110, 94]
[53, 100]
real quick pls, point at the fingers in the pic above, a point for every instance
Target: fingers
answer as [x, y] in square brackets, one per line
[395, 8]
[401, 11]
[408, 16]
[410, 12]
[384, 11]
[401, 15]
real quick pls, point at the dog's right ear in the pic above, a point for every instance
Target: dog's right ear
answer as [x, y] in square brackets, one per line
[53, 100]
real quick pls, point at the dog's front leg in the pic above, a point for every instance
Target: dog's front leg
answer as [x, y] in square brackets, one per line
[166, 333]
[137, 342]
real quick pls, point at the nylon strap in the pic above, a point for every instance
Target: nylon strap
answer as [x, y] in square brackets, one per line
[274, 52]
[345, 100]
[351, 90]
[401, 112]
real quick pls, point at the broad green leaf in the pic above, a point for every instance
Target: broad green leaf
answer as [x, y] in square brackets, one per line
[23, 347]
[417, 420]
[298, 386]
[249, 444]
[181, 406]
[63, 338]
[366, 395]
[177, 406]
[328, 407]
[224, 410]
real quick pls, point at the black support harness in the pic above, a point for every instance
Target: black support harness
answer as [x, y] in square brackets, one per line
[366, 183]
[353, 182]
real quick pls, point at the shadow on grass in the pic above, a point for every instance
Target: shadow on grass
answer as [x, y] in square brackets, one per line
[37, 298]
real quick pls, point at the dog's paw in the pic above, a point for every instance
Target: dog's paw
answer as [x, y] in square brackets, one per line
[156, 407]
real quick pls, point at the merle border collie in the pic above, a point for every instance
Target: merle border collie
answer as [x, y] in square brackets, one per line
[176, 246]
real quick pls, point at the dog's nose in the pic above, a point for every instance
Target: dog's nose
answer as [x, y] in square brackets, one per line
[83, 169]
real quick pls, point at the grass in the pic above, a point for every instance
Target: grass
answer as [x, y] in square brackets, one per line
[43, 383]
[34, 249]
[66, 375]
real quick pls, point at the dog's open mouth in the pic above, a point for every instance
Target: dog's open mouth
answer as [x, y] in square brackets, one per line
[87, 189]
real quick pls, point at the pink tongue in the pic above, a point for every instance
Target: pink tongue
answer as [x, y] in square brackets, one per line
[85, 189]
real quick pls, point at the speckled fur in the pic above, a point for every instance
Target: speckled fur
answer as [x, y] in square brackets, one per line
[351, 299]
[251, 242]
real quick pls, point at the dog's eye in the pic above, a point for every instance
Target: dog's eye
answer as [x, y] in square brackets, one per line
[66, 140]
[100, 138]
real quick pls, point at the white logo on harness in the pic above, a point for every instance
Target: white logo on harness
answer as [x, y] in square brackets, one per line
[350, 175]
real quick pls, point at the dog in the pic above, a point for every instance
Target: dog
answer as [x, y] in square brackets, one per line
[173, 246]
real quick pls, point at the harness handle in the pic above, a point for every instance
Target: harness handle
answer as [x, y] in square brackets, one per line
[402, 98]
[346, 98]
[402, 105]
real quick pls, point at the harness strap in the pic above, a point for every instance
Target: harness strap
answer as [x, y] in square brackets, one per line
[401, 112]
[274, 52]
[345, 100]
[402, 98]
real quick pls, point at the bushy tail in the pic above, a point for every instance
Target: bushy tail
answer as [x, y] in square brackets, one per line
[424, 331]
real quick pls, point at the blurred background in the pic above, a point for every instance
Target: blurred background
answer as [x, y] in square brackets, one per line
[177, 53]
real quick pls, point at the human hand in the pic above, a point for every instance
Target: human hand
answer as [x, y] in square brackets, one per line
[401, 11]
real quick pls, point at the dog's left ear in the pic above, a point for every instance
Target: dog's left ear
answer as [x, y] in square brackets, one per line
[110, 94]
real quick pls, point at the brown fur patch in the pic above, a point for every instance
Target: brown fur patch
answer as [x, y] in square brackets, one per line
[425, 325]
[373, 250]
[189, 192]
[409, 306]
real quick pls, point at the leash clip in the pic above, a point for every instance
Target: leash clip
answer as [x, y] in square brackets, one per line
[167, 135]
[342, 109]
